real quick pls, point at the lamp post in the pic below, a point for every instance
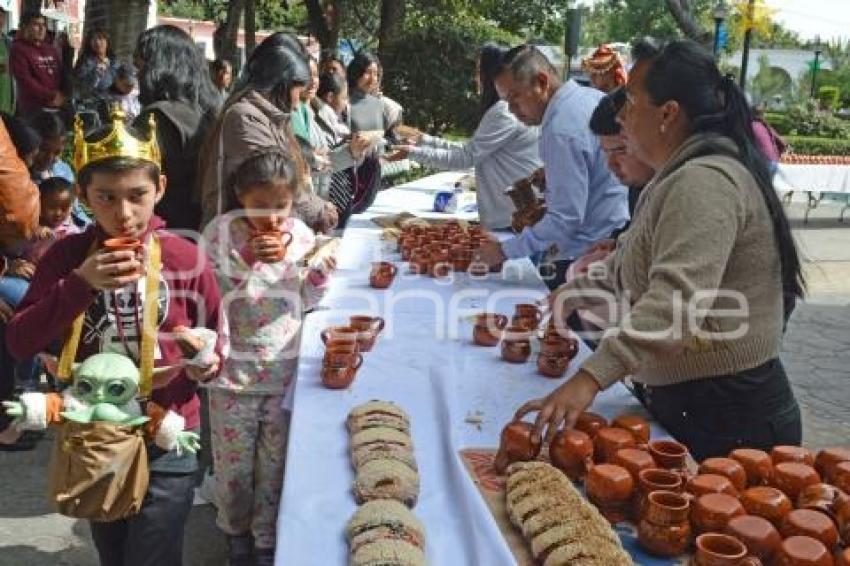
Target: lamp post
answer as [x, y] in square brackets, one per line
[720, 14]
[748, 35]
[818, 51]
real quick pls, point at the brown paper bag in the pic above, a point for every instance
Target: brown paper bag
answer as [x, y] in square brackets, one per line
[98, 471]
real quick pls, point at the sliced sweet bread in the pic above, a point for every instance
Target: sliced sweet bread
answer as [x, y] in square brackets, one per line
[386, 479]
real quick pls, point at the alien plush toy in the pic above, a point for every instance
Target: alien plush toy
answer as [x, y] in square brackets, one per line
[104, 390]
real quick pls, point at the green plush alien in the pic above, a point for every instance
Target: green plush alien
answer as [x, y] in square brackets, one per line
[104, 390]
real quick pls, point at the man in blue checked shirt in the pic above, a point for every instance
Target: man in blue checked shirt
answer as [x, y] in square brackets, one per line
[585, 203]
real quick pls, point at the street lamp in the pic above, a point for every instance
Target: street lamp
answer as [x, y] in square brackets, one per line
[721, 12]
[818, 51]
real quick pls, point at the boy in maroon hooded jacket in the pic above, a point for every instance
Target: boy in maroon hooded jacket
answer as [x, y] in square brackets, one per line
[119, 178]
[36, 66]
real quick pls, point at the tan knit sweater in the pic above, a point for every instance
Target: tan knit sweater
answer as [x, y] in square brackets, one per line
[701, 225]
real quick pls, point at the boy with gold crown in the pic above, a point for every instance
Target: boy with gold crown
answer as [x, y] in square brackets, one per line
[126, 285]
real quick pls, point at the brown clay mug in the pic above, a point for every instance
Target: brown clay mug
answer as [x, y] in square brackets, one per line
[756, 463]
[518, 443]
[340, 376]
[368, 328]
[340, 356]
[528, 313]
[781, 454]
[792, 477]
[654, 479]
[715, 549]
[420, 261]
[339, 334]
[727, 467]
[842, 518]
[590, 423]
[636, 425]
[664, 529]
[757, 533]
[124, 244]
[634, 460]
[609, 485]
[767, 502]
[821, 497]
[555, 345]
[552, 365]
[441, 268]
[516, 345]
[841, 476]
[571, 451]
[842, 557]
[810, 523]
[803, 551]
[488, 329]
[713, 511]
[702, 484]
[609, 440]
[826, 460]
[282, 239]
[382, 274]
[669, 454]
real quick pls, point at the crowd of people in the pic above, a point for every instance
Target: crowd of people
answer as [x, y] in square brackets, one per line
[653, 177]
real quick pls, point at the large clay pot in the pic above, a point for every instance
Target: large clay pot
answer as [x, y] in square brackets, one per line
[811, 523]
[609, 440]
[571, 451]
[712, 512]
[703, 484]
[636, 425]
[664, 529]
[792, 477]
[519, 443]
[590, 423]
[715, 549]
[781, 454]
[826, 460]
[756, 463]
[757, 533]
[727, 467]
[803, 551]
[669, 454]
[767, 502]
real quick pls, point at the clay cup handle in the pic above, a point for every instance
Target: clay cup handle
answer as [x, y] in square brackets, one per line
[325, 334]
[381, 324]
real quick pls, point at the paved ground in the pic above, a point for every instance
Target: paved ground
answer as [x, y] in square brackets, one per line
[817, 355]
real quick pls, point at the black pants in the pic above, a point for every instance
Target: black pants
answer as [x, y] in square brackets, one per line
[154, 537]
[754, 408]
[554, 273]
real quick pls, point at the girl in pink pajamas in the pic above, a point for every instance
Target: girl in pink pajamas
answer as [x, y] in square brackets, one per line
[257, 249]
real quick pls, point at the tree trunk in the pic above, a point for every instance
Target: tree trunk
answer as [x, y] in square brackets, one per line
[124, 21]
[323, 18]
[230, 31]
[250, 27]
[392, 21]
[687, 22]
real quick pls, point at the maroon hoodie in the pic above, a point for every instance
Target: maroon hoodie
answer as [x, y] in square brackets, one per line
[38, 73]
[188, 296]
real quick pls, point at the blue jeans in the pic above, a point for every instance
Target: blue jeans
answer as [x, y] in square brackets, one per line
[25, 372]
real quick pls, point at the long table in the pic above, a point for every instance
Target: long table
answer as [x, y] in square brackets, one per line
[425, 362]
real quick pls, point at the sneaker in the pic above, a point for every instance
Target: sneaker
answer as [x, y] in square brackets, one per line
[264, 557]
[240, 550]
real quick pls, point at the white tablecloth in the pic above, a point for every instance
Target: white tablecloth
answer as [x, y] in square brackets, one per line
[425, 362]
[815, 178]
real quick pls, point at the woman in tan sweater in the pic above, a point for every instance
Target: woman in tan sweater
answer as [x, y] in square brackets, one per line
[701, 275]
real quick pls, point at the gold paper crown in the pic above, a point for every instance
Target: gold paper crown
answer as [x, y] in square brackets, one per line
[118, 143]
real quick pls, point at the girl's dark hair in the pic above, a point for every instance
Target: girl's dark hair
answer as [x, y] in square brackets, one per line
[53, 185]
[219, 65]
[86, 50]
[330, 83]
[113, 165]
[685, 72]
[358, 66]
[24, 137]
[489, 66]
[48, 124]
[262, 169]
[328, 56]
[173, 69]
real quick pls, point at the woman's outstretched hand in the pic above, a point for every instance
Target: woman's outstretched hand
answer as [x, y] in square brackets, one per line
[562, 406]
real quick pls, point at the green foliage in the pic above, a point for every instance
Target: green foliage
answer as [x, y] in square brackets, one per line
[624, 20]
[828, 97]
[430, 70]
[807, 121]
[537, 19]
[271, 14]
[818, 146]
[188, 9]
[768, 82]
[780, 122]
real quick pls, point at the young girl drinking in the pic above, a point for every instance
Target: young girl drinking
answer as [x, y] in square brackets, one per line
[257, 248]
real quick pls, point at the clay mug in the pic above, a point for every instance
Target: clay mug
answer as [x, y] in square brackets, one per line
[792, 477]
[609, 440]
[702, 484]
[664, 529]
[826, 460]
[669, 454]
[842, 557]
[654, 479]
[715, 549]
[125, 244]
[634, 460]
[757, 533]
[571, 451]
[420, 261]
[478, 269]
[368, 328]
[556, 345]
[756, 463]
[810, 523]
[841, 476]
[803, 551]
[518, 443]
[382, 274]
[528, 314]
[842, 518]
[340, 356]
[441, 268]
[340, 377]
[781, 454]
[339, 334]
[516, 345]
[610, 488]
[340, 346]
[590, 423]
[727, 467]
[461, 257]
[767, 502]
[713, 511]
[636, 425]
[552, 365]
[282, 239]
[488, 329]
[821, 497]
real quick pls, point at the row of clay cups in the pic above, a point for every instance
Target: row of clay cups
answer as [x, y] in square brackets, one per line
[344, 348]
